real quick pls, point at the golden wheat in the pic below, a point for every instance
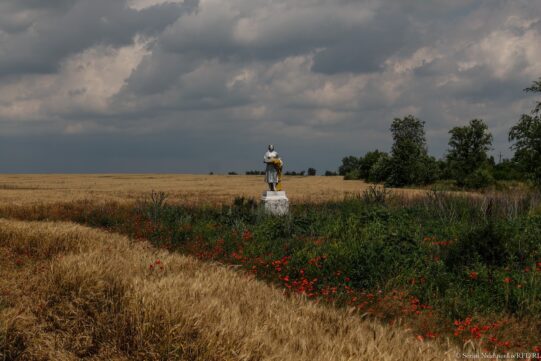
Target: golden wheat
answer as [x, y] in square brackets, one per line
[92, 294]
[191, 189]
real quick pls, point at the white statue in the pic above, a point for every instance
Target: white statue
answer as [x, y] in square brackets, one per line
[273, 172]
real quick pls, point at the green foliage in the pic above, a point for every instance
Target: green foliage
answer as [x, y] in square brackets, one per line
[368, 161]
[409, 158]
[526, 136]
[349, 164]
[464, 256]
[352, 175]
[376, 195]
[507, 170]
[301, 173]
[381, 169]
[379, 242]
[479, 178]
[468, 147]
[535, 88]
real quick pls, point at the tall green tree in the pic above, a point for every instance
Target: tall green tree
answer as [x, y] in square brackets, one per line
[349, 164]
[467, 154]
[367, 162]
[409, 156]
[526, 136]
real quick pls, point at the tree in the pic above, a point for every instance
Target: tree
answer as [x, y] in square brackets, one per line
[380, 170]
[507, 170]
[526, 136]
[409, 156]
[311, 171]
[367, 162]
[467, 154]
[349, 164]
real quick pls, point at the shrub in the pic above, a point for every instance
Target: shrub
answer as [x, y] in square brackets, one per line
[352, 175]
[479, 178]
[381, 170]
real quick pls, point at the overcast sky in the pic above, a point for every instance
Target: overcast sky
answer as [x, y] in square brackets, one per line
[204, 85]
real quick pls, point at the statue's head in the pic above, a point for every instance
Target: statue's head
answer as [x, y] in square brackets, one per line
[271, 148]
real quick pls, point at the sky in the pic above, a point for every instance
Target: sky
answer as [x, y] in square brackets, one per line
[194, 86]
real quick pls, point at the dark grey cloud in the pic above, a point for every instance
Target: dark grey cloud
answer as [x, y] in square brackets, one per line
[171, 85]
[69, 27]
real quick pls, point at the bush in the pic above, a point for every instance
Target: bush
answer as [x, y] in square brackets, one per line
[352, 175]
[480, 178]
[367, 162]
[381, 170]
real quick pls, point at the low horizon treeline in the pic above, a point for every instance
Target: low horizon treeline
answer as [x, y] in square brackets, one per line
[309, 172]
[466, 161]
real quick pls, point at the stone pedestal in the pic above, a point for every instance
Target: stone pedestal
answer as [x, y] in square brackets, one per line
[275, 203]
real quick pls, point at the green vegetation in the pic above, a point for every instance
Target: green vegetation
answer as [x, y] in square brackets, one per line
[526, 136]
[466, 164]
[439, 261]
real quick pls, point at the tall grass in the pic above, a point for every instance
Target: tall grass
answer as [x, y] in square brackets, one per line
[437, 260]
[88, 294]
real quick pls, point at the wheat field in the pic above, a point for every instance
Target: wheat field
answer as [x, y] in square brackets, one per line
[191, 189]
[71, 292]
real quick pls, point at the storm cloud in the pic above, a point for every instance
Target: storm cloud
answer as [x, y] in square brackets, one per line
[198, 86]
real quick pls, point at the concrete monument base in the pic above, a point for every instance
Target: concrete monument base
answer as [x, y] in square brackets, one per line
[276, 203]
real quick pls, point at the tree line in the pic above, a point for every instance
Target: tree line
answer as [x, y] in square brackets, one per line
[466, 162]
[310, 172]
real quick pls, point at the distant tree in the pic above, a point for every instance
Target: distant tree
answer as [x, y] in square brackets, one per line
[302, 173]
[311, 171]
[480, 177]
[349, 165]
[444, 171]
[507, 170]
[232, 173]
[526, 135]
[294, 173]
[468, 147]
[255, 172]
[211, 173]
[409, 158]
[329, 173]
[430, 170]
[367, 162]
[380, 170]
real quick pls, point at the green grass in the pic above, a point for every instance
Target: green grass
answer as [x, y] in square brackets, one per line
[460, 256]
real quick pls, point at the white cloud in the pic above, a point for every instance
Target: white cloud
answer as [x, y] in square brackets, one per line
[84, 84]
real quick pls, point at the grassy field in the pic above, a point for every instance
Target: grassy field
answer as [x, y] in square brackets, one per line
[70, 292]
[353, 272]
[185, 189]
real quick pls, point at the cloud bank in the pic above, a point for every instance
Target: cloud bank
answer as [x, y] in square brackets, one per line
[198, 86]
